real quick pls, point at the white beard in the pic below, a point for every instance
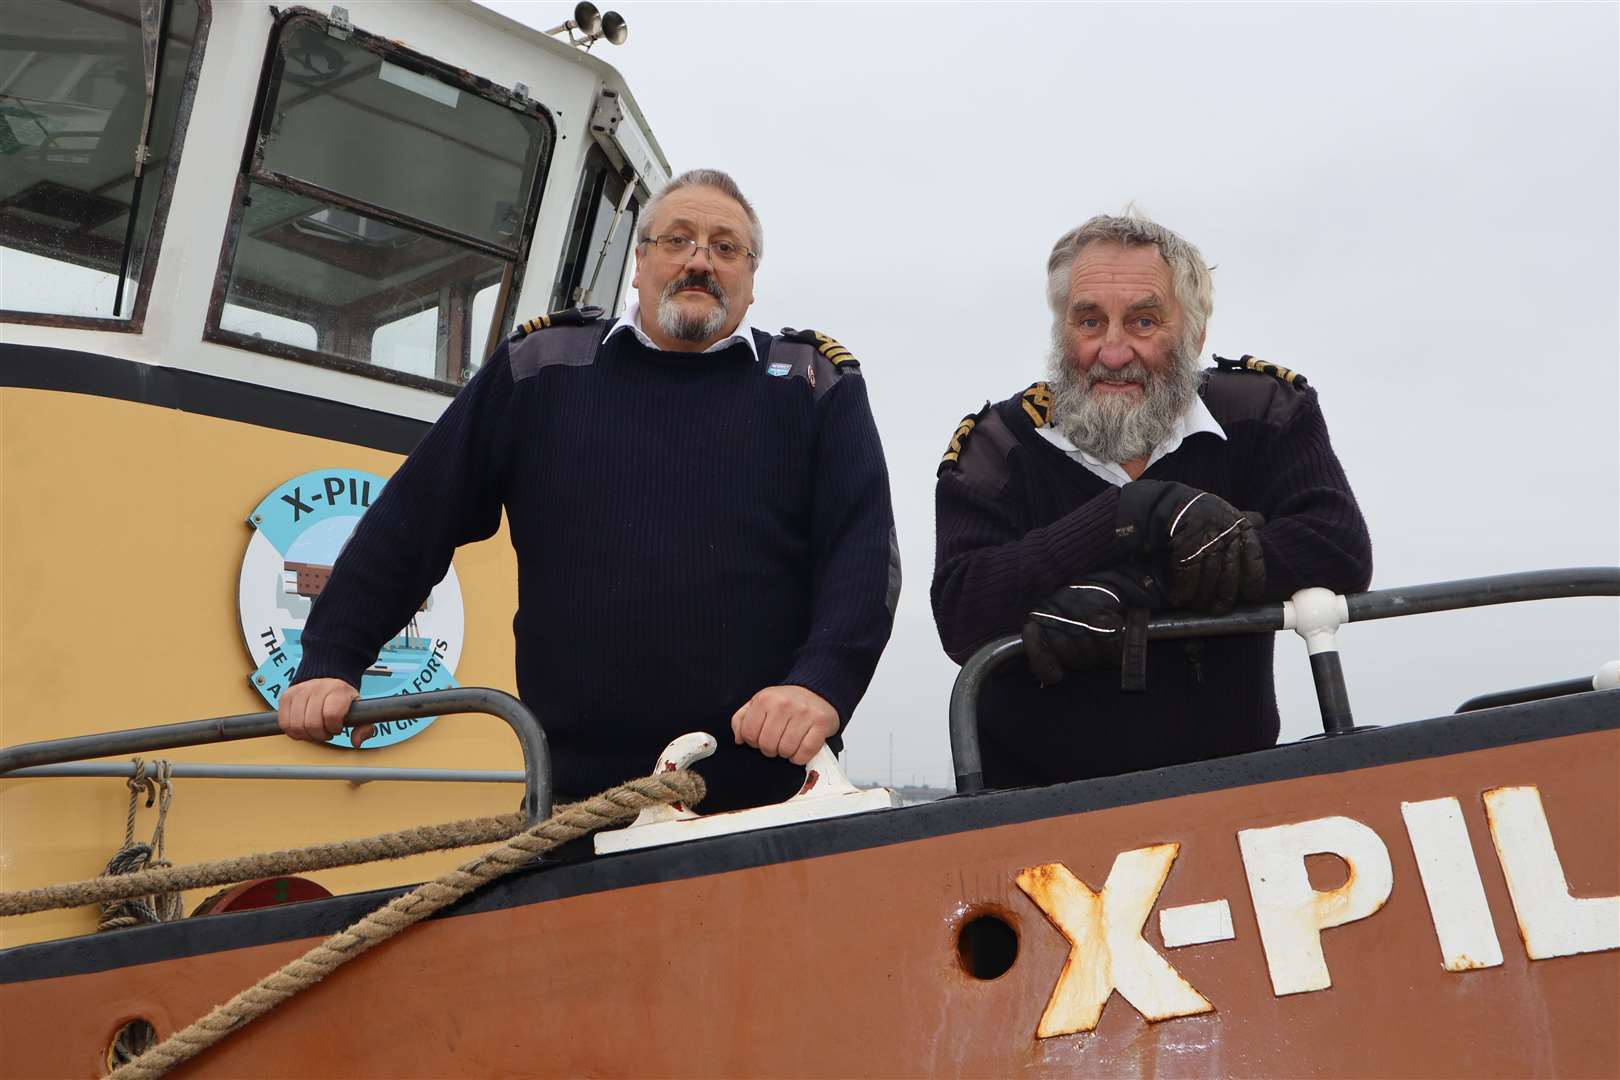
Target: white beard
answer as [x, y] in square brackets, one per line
[1115, 427]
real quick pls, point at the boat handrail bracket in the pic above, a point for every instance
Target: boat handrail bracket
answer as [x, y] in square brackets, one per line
[826, 793]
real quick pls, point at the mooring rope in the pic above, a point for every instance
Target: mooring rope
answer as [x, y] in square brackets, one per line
[140, 883]
[568, 823]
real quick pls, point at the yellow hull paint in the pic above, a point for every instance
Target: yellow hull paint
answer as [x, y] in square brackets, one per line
[122, 529]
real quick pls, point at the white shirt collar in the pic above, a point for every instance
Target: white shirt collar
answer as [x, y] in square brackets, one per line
[1197, 418]
[632, 319]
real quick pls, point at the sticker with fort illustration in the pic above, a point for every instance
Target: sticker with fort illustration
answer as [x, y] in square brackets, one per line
[298, 531]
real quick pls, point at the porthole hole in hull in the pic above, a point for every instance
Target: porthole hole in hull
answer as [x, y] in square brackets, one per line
[129, 1042]
[986, 946]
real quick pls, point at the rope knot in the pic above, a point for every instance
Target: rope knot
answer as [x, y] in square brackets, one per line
[134, 857]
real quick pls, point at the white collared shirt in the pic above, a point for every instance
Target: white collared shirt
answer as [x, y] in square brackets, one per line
[1197, 418]
[632, 319]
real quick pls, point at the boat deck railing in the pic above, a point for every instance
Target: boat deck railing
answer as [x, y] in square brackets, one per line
[50, 756]
[1314, 614]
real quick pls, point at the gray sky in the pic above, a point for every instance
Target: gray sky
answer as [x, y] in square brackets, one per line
[1413, 205]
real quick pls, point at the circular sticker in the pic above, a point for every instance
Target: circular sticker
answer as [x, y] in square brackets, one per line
[298, 531]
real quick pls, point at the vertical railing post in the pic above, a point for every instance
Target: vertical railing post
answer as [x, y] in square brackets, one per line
[964, 710]
[1316, 615]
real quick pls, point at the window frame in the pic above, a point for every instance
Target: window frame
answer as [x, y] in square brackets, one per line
[136, 323]
[251, 171]
[595, 176]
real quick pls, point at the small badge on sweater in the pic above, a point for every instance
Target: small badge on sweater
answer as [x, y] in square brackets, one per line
[779, 369]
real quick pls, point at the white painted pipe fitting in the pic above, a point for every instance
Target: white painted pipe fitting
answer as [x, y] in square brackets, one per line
[1316, 615]
[1607, 677]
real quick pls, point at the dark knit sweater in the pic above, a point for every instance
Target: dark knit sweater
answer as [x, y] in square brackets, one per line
[689, 529]
[1017, 518]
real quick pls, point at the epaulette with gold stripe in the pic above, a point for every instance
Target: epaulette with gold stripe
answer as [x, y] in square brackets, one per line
[1037, 403]
[840, 357]
[1262, 367]
[574, 316]
[953, 450]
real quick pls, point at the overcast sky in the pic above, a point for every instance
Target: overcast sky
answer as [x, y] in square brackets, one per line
[1413, 205]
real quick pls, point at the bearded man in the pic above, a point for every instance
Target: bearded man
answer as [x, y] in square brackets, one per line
[700, 512]
[1130, 482]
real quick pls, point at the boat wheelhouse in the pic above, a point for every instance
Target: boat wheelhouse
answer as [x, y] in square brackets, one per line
[242, 245]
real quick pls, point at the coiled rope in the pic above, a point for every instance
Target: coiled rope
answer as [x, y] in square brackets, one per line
[567, 823]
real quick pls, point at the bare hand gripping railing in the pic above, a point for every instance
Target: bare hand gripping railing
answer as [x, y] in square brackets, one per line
[1290, 615]
[536, 755]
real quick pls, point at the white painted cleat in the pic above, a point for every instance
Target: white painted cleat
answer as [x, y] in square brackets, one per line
[693, 746]
[825, 793]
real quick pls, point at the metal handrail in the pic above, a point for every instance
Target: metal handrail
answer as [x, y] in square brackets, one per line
[467, 699]
[1361, 607]
[1540, 692]
[186, 770]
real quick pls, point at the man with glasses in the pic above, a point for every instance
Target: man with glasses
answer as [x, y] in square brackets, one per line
[700, 511]
[1130, 482]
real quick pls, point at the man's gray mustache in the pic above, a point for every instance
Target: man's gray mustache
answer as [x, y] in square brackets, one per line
[1133, 374]
[696, 281]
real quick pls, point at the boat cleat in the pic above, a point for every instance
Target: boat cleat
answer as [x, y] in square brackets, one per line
[826, 793]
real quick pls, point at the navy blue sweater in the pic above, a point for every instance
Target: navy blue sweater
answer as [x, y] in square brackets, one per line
[689, 529]
[1017, 518]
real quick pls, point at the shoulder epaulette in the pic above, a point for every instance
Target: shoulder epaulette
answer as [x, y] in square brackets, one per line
[1263, 367]
[574, 316]
[1037, 403]
[840, 357]
[959, 438]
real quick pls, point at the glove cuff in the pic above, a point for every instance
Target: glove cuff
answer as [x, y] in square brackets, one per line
[1136, 586]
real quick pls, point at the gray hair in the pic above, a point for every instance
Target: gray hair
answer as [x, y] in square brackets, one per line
[1189, 276]
[721, 182]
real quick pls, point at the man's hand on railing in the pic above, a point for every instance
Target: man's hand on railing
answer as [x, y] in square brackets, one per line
[1081, 627]
[315, 711]
[1208, 549]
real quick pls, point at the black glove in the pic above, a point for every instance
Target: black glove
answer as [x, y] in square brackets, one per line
[1082, 627]
[1206, 550]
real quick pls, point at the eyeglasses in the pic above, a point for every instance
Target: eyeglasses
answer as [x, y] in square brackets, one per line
[682, 248]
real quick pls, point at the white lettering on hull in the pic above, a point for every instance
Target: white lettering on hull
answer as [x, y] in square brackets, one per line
[1106, 950]
[1104, 930]
[1551, 921]
[1291, 913]
[1196, 924]
[1445, 858]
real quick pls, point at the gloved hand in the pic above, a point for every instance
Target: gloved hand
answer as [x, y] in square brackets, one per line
[1206, 550]
[1081, 627]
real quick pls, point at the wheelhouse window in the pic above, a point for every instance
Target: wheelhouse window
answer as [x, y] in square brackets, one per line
[386, 202]
[84, 84]
[600, 239]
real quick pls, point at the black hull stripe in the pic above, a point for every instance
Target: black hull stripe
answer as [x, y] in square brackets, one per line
[1556, 718]
[35, 367]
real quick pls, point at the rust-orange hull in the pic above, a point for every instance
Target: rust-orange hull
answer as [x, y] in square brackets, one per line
[831, 949]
